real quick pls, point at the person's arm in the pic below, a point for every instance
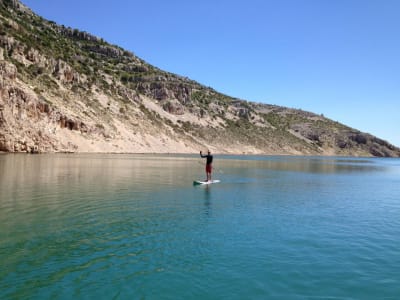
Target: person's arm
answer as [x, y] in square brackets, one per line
[203, 156]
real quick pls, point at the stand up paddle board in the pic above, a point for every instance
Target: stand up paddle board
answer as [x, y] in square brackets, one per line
[198, 182]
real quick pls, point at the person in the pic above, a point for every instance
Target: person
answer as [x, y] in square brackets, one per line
[209, 161]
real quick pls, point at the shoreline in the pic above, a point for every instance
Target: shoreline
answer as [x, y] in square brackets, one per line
[192, 154]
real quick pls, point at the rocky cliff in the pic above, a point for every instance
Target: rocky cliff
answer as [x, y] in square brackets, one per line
[64, 90]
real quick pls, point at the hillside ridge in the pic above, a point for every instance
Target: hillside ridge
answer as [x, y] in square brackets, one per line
[65, 90]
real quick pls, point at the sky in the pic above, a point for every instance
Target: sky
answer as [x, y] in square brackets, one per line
[339, 58]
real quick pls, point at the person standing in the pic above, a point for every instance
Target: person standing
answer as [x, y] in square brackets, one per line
[209, 161]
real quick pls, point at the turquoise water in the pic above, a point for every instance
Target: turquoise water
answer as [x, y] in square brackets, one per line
[134, 227]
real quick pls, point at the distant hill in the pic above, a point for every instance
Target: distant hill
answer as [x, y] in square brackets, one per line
[64, 90]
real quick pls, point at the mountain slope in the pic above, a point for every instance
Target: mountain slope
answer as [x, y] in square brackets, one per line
[63, 90]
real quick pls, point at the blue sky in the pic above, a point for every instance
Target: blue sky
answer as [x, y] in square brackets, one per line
[340, 58]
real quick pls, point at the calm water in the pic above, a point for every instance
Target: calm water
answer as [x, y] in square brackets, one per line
[134, 227]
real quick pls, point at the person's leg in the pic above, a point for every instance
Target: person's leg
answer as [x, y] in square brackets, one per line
[208, 172]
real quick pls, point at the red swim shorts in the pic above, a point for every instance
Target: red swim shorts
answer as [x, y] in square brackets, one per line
[208, 168]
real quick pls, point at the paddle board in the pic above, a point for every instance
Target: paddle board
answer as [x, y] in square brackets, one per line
[198, 182]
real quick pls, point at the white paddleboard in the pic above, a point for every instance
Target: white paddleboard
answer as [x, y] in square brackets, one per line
[198, 182]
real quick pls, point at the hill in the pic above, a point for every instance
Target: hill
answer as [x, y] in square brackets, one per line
[64, 90]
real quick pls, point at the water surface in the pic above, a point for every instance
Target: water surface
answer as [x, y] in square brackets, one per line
[134, 227]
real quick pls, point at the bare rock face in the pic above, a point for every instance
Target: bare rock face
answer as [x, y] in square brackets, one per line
[71, 123]
[163, 90]
[81, 35]
[128, 94]
[17, 120]
[7, 42]
[34, 56]
[63, 72]
[28, 125]
[15, 4]
[106, 50]
[174, 107]
[27, 121]
[7, 70]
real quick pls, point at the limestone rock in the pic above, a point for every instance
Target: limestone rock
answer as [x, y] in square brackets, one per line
[174, 107]
[8, 70]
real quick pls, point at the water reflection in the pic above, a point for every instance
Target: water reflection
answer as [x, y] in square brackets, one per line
[87, 173]
[207, 199]
[325, 165]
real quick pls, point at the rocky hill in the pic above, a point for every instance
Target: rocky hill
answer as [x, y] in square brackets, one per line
[64, 90]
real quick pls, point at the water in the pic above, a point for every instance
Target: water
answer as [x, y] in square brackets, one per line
[134, 227]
